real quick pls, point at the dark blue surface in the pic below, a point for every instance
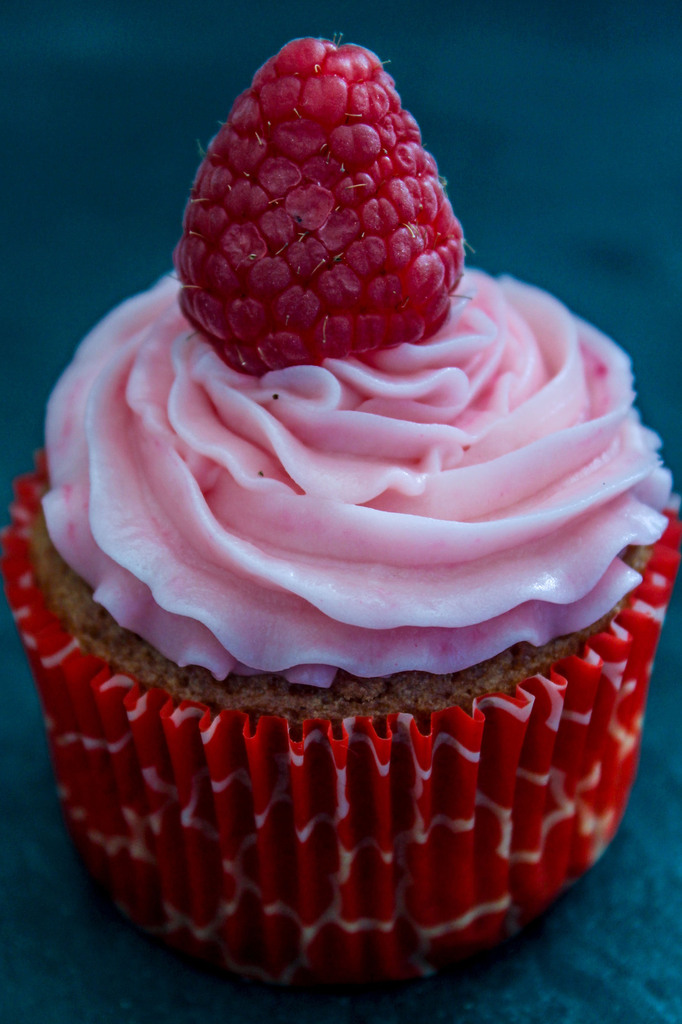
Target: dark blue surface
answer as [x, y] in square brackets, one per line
[558, 128]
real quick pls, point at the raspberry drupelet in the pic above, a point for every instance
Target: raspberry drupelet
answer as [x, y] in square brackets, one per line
[317, 224]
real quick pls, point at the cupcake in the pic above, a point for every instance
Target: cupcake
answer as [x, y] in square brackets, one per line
[342, 576]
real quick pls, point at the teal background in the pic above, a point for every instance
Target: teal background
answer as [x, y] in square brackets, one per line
[558, 127]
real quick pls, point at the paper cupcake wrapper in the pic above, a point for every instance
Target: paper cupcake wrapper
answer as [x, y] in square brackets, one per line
[377, 854]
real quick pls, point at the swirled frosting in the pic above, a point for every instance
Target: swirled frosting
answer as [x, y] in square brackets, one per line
[423, 507]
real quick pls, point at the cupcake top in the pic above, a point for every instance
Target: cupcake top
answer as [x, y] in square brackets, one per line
[324, 448]
[423, 507]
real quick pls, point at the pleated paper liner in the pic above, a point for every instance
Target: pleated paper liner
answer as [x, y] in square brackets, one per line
[352, 859]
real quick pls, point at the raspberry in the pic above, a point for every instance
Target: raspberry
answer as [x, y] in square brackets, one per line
[317, 225]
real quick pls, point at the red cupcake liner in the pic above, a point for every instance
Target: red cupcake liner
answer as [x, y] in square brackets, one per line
[353, 859]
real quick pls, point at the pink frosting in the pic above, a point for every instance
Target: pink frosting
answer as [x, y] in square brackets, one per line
[422, 508]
